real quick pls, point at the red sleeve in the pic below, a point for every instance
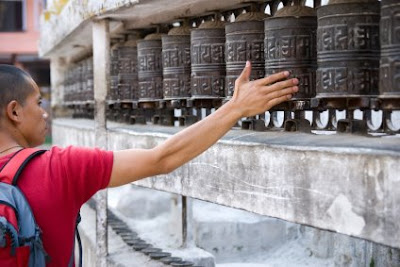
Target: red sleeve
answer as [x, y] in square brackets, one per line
[86, 170]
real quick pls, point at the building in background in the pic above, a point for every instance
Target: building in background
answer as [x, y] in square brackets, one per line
[19, 35]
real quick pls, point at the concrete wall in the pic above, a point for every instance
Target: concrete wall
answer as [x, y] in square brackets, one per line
[345, 185]
[239, 238]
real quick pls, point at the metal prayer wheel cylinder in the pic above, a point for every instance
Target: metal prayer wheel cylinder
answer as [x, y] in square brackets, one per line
[70, 82]
[176, 63]
[389, 86]
[290, 44]
[150, 71]
[127, 69]
[82, 83]
[208, 60]
[68, 85]
[244, 41]
[348, 49]
[77, 82]
[82, 94]
[89, 79]
[114, 70]
[73, 84]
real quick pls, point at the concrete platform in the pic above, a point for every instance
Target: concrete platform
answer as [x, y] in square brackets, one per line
[349, 185]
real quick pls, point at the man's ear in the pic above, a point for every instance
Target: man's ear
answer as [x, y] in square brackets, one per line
[13, 111]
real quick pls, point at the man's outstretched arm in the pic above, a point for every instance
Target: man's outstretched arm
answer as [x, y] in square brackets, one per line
[250, 98]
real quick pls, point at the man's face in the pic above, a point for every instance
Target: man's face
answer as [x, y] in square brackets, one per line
[33, 126]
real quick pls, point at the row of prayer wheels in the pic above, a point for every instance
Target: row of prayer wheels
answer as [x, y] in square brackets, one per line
[334, 51]
[78, 82]
[346, 54]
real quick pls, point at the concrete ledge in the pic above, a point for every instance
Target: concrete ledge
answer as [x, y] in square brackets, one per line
[349, 185]
[71, 30]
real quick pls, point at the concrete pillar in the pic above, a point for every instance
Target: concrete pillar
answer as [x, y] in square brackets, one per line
[187, 223]
[58, 67]
[101, 68]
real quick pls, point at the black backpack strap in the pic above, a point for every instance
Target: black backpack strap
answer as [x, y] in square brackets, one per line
[78, 237]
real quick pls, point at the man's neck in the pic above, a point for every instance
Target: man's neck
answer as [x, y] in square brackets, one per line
[8, 144]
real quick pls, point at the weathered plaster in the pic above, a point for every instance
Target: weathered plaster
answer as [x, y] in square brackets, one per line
[69, 33]
[344, 218]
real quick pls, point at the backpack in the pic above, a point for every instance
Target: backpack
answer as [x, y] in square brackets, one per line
[20, 236]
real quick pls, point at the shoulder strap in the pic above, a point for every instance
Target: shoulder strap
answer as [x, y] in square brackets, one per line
[78, 237]
[12, 169]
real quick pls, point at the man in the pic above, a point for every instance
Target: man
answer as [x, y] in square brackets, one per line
[58, 182]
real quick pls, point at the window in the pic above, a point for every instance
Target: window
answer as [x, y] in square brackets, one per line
[11, 15]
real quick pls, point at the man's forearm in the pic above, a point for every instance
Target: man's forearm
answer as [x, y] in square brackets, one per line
[133, 164]
[195, 139]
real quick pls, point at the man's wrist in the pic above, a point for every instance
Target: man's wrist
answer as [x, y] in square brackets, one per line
[233, 109]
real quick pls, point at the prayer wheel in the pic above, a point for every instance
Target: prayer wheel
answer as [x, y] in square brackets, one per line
[176, 63]
[127, 69]
[348, 49]
[114, 94]
[83, 82]
[244, 41]
[89, 79]
[77, 82]
[72, 82]
[290, 44]
[150, 68]
[390, 52]
[208, 60]
[68, 85]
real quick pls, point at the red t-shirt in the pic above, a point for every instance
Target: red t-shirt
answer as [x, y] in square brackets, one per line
[56, 185]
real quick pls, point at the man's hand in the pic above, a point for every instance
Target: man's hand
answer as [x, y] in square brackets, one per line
[250, 98]
[255, 97]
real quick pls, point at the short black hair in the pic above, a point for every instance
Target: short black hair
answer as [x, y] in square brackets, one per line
[15, 84]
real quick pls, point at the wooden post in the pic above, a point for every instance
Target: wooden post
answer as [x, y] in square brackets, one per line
[101, 69]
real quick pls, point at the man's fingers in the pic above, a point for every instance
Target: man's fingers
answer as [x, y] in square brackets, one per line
[278, 100]
[273, 78]
[280, 85]
[279, 93]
